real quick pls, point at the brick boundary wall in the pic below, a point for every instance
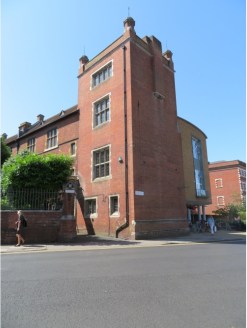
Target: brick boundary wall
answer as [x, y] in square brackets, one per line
[149, 229]
[43, 227]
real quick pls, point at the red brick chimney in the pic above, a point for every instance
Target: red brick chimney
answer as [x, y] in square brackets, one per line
[40, 118]
[83, 61]
[23, 127]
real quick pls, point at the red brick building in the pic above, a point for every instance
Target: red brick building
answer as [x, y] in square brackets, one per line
[125, 131]
[228, 184]
[130, 150]
[57, 134]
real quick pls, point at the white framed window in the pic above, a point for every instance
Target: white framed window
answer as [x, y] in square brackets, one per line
[101, 163]
[73, 149]
[218, 183]
[52, 138]
[91, 207]
[31, 144]
[102, 75]
[220, 200]
[101, 111]
[114, 205]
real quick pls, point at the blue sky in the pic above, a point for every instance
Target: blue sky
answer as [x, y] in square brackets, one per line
[42, 41]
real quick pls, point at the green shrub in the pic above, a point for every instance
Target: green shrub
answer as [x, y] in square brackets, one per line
[30, 170]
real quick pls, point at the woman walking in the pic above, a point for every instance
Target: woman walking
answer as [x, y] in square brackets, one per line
[20, 228]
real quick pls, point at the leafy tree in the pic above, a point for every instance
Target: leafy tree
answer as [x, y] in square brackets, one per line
[30, 170]
[235, 213]
[231, 211]
[5, 151]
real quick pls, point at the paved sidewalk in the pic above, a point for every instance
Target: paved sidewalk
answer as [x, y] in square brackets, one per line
[95, 243]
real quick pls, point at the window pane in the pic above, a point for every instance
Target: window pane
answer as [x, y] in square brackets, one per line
[97, 158]
[94, 207]
[98, 119]
[114, 205]
[101, 165]
[107, 169]
[109, 70]
[102, 171]
[102, 75]
[107, 154]
[72, 149]
[107, 115]
[90, 206]
[101, 109]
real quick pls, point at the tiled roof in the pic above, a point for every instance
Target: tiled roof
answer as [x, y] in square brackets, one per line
[40, 124]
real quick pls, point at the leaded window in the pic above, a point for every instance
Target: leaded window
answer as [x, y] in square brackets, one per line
[73, 148]
[114, 206]
[90, 207]
[102, 75]
[101, 163]
[101, 111]
[52, 138]
[31, 144]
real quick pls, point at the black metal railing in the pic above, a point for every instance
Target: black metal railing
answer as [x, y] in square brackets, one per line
[31, 199]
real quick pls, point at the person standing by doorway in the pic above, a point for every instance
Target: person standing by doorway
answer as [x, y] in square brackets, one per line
[20, 228]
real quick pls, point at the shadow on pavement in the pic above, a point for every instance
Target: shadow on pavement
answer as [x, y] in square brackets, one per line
[33, 246]
[96, 240]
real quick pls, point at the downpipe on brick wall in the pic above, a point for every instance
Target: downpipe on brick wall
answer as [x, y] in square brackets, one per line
[126, 223]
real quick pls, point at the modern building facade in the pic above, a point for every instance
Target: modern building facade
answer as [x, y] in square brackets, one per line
[195, 165]
[131, 148]
[228, 184]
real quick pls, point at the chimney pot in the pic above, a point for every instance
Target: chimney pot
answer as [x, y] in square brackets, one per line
[40, 118]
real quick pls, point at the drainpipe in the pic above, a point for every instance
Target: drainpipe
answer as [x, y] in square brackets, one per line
[126, 223]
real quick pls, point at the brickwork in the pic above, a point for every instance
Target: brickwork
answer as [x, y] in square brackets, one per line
[145, 229]
[144, 123]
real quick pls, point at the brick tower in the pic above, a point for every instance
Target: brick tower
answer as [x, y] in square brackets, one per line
[129, 154]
